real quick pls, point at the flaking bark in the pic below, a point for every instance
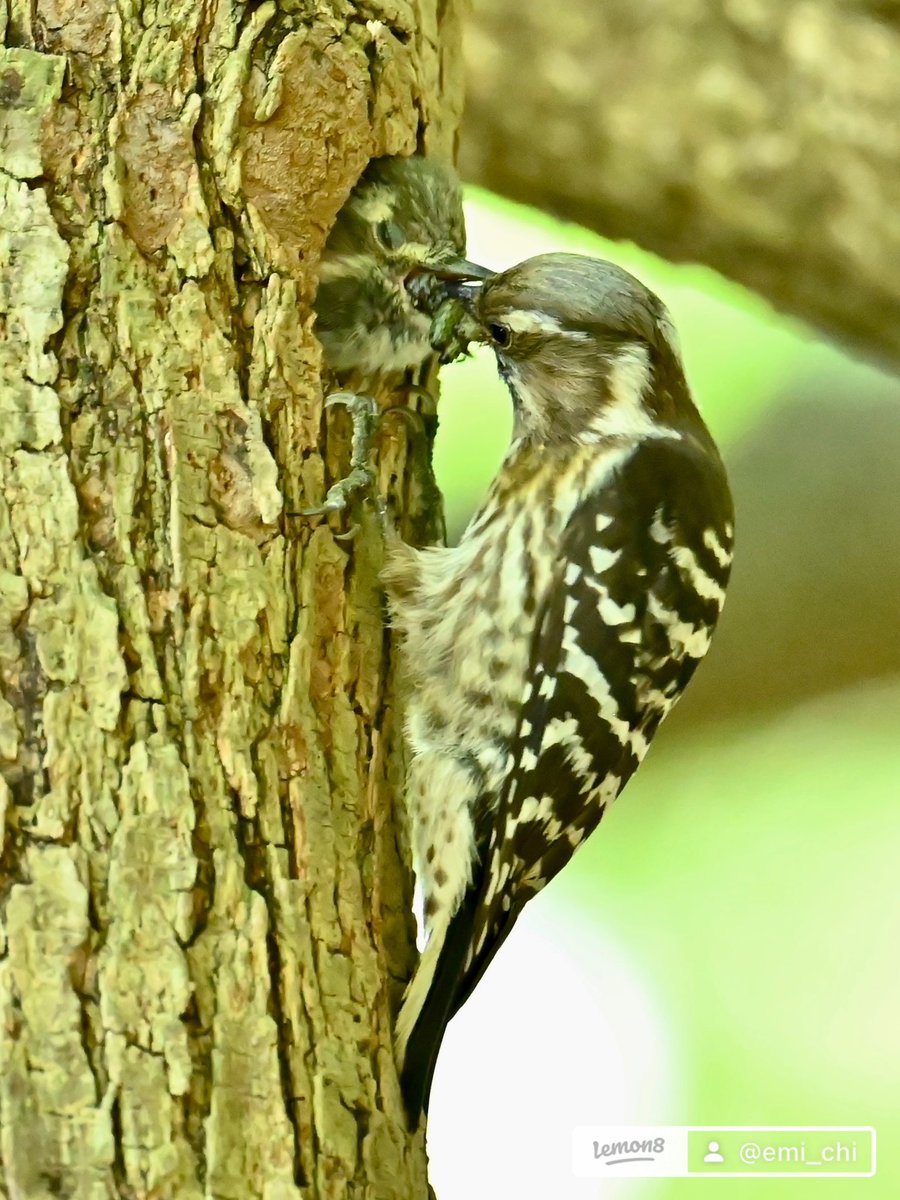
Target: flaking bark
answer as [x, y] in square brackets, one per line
[205, 908]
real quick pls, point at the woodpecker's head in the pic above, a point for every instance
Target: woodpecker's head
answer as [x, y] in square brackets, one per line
[376, 293]
[586, 350]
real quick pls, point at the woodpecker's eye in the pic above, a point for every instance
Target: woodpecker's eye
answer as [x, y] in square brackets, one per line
[499, 334]
[390, 235]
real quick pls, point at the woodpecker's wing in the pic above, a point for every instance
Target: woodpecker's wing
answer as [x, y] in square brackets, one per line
[638, 586]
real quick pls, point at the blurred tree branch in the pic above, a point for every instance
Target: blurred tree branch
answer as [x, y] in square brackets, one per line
[758, 137]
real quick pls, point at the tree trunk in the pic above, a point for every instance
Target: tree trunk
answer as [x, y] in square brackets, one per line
[756, 136]
[205, 907]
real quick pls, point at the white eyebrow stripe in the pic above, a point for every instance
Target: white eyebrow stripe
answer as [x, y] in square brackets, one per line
[530, 320]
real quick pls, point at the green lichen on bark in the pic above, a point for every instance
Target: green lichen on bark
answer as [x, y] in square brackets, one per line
[29, 86]
[204, 906]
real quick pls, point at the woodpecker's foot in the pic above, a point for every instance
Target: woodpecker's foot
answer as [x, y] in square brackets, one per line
[364, 414]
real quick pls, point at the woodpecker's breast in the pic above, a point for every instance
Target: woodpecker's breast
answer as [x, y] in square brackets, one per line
[469, 619]
[468, 616]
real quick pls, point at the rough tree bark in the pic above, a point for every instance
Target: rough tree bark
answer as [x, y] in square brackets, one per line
[204, 906]
[756, 136]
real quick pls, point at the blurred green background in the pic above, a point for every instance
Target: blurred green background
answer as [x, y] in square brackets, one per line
[724, 949]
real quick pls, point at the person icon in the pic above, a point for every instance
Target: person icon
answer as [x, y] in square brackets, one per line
[712, 1153]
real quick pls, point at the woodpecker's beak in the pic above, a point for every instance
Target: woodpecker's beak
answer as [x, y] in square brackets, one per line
[459, 269]
[460, 279]
[465, 290]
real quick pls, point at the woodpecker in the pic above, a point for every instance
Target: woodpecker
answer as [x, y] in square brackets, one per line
[542, 652]
[400, 230]
[381, 312]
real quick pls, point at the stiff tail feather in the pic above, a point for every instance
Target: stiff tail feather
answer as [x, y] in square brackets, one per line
[430, 1002]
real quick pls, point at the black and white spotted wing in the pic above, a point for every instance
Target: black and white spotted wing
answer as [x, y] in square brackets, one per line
[639, 583]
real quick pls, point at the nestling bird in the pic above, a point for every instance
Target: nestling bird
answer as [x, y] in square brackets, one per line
[380, 309]
[543, 651]
[401, 227]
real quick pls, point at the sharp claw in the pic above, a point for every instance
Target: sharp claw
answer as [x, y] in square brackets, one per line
[414, 391]
[349, 535]
[356, 402]
[409, 415]
[364, 413]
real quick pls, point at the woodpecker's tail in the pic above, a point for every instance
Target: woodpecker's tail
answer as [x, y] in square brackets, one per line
[431, 1000]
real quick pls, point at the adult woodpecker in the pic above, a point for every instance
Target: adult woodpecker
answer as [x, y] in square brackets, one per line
[542, 652]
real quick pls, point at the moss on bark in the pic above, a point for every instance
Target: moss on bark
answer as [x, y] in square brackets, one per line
[205, 907]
